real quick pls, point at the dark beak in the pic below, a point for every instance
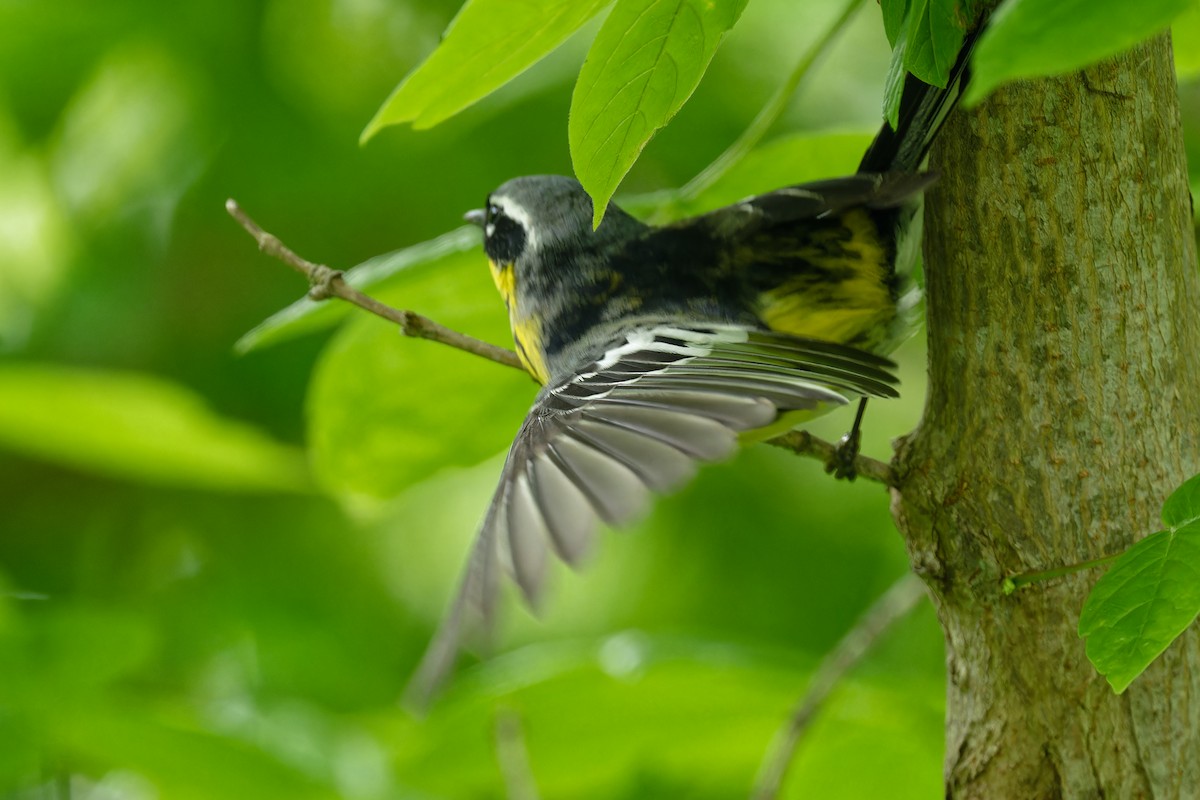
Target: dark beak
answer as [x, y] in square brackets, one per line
[476, 217]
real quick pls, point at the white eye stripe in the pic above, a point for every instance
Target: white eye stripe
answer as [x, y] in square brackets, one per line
[514, 211]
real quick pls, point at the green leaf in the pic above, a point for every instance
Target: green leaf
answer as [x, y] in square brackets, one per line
[1149, 597]
[1183, 506]
[645, 63]
[1033, 38]
[137, 427]
[893, 85]
[378, 276]
[934, 39]
[894, 14]
[385, 412]
[488, 44]
[1185, 37]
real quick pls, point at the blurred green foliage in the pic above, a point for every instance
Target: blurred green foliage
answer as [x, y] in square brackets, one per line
[186, 612]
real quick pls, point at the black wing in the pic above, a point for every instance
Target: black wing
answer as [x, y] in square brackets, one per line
[637, 421]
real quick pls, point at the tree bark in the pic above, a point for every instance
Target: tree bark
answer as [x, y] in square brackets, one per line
[1063, 407]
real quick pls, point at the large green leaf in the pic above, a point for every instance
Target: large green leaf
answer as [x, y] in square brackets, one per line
[1183, 506]
[1149, 597]
[894, 14]
[645, 63]
[893, 84]
[935, 36]
[1032, 38]
[137, 427]
[488, 44]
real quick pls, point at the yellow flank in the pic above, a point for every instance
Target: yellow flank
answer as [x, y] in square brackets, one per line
[526, 330]
[794, 315]
[527, 334]
[851, 303]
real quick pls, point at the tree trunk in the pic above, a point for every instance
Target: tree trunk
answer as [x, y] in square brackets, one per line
[1064, 405]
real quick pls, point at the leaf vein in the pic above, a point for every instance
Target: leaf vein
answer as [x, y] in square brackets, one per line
[613, 167]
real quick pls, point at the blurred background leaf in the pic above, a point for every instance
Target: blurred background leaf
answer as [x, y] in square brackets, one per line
[177, 621]
[137, 427]
[1185, 37]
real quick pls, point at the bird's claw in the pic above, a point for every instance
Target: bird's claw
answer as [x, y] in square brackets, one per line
[842, 462]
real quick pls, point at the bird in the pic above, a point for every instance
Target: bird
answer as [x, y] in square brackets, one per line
[661, 348]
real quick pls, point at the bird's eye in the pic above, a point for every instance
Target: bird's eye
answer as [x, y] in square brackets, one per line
[504, 238]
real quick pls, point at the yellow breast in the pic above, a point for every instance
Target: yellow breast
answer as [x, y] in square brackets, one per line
[526, 327]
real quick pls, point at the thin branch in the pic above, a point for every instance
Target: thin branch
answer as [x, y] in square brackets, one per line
[513, 756]
[804, 443]
[892, 606]
[326, 283]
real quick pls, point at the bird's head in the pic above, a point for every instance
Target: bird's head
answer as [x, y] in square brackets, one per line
[540, 215]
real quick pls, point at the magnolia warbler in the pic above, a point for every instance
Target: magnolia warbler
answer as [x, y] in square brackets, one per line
[659, 347]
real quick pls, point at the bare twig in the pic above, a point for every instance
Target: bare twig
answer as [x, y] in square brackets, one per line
[326, 283]
[892, 605]
[513, 756]
[805, 444]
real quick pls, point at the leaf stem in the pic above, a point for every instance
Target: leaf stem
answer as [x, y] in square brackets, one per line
[1014, 582]
[770, 112]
